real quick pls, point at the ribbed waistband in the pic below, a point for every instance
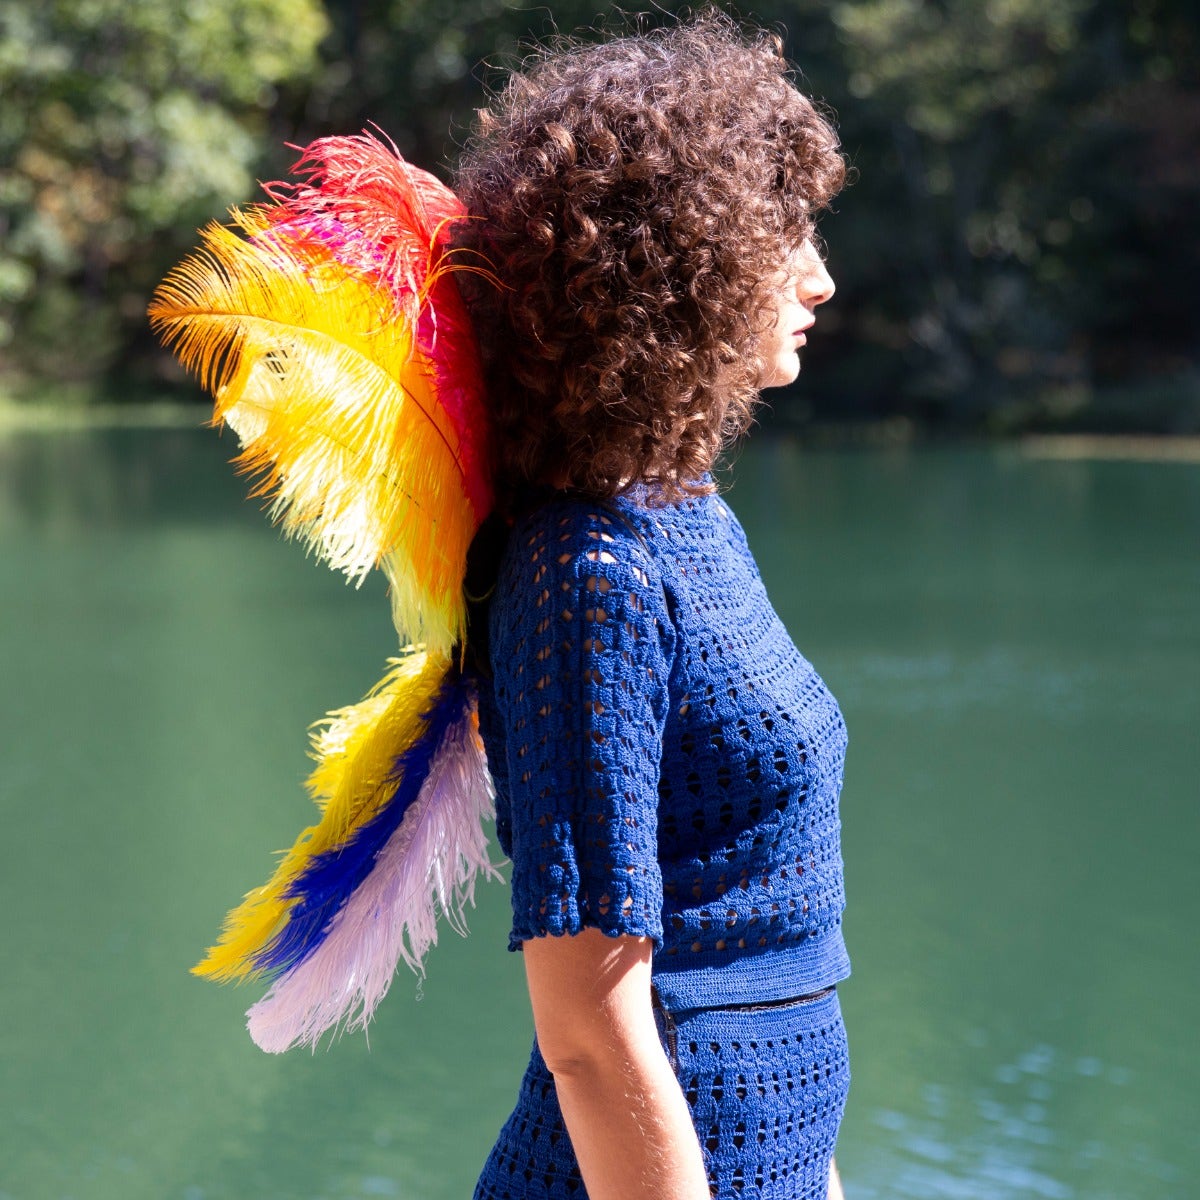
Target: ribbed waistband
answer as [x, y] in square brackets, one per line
[731, 980]
[751, 1023]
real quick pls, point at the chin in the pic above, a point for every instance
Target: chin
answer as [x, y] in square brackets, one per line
[784, 372]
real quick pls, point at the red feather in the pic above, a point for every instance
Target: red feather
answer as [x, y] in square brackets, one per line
[361, 204]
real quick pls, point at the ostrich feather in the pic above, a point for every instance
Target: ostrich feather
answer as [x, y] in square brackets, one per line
[427, 866]
[358, 201]
[331, 333]
[329, 328]
[335, 412]
[331, 876]
[356, 752]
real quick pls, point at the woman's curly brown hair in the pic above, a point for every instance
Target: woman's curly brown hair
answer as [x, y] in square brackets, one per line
[631, 197]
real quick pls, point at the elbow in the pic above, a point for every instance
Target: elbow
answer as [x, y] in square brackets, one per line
[570, 1060]
[592, 1051]
[593, 1048]
[575, 1047]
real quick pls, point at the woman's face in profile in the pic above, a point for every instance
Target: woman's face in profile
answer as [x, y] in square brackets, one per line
[791, 297]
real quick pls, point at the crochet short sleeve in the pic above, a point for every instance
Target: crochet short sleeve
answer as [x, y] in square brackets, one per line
[581, 644]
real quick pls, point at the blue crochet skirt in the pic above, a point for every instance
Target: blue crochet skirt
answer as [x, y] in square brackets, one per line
[766, 1086]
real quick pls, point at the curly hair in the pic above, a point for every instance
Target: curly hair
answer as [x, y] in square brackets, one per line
[632, 197]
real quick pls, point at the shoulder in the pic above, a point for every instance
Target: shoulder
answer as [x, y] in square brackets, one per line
[576, 542]
[576, 565]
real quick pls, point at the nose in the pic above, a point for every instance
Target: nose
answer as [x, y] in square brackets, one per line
[816, 284]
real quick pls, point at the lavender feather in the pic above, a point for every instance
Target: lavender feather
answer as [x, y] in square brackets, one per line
[428, 866]
[328, 882]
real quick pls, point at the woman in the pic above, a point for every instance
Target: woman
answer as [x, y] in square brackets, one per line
[667, 764]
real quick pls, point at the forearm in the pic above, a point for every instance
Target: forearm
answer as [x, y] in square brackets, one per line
[631, 1129]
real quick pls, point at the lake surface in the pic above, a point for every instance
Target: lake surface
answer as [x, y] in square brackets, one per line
[1015, 644]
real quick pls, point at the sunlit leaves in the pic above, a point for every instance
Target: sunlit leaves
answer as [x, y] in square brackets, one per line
[123, 125]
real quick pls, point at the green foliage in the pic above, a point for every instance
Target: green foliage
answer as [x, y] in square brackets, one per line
[124, 124]
[418, 67]
[1020, 247]
[1017, 249]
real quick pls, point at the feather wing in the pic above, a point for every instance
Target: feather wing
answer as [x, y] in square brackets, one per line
[330, 332]
[328, 326]
[356, 753]
[425, 868]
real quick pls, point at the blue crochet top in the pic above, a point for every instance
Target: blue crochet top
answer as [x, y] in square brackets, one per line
[667, 763]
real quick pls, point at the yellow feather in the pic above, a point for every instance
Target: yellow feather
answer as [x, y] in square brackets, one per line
[355, 748]
[335, 410]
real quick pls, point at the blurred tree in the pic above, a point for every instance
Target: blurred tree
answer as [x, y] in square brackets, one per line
[1024, 167]
[418, 68]
[1020, 247]
[1001, 246]
[124, 124]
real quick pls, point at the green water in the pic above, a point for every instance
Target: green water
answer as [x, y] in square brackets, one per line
[1016, 646]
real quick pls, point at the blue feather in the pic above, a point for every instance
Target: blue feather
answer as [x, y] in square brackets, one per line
[330, 879]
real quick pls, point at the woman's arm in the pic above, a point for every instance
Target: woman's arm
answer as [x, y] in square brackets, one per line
[835, 1182]
[629, 1123]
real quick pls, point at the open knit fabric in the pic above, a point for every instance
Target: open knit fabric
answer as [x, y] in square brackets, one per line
[668, 765]
[766, 1090]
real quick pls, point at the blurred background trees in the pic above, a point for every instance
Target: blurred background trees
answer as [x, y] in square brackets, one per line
[124, 124]
[1021, 248]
